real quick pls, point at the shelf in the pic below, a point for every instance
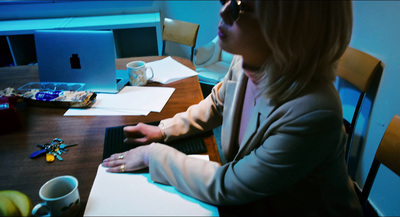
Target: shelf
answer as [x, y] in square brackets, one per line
[134, 42]
[24, 27]
[5, 54]
[134, 34]
[22, 49]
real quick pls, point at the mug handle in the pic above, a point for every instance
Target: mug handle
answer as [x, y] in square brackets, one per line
[152, 73]
[39, 206]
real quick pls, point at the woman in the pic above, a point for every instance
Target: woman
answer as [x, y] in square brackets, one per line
[281, 116]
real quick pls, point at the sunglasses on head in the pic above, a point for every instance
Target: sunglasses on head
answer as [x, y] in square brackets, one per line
[236, 8]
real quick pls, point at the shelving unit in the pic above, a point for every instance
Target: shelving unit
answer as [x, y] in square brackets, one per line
[134, 34]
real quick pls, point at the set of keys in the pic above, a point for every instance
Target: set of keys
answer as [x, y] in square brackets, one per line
[52, 150]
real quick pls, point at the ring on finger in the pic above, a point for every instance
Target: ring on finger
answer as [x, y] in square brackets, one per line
[121, 157]
[122, 167]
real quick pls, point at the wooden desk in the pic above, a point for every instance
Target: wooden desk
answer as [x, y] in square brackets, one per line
[41, 125]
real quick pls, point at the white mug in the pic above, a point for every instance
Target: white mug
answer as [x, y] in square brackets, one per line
[137, 72]
[60, 196]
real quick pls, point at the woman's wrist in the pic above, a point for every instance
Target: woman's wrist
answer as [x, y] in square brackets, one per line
[146, 156]
[161, 126]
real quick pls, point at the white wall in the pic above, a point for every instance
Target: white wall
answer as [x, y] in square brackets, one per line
[377, 31]
[205, 13]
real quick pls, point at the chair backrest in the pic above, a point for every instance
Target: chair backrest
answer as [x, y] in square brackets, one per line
[387, 154]
[180, 32]
[359, 69]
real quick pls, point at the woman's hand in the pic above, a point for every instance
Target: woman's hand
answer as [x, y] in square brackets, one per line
[131, 160]
[142, 134]
[134, 159]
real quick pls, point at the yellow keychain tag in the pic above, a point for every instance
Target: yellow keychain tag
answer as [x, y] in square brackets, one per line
[49, 157]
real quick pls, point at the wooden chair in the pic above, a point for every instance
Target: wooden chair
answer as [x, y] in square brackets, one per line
[359, 69]
[180, 32]
[387, 154]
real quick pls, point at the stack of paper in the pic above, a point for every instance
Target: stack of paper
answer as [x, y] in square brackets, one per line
[169, 70]
[128, 194]
[131, 100]
[139, 100]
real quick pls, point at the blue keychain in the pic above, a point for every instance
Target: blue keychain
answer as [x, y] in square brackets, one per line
[38, 153]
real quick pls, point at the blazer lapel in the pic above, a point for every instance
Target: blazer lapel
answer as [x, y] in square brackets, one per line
[258, 118]
[232, 107]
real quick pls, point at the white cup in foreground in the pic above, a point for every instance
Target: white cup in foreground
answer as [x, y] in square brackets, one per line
[137, 72]
[60, 196]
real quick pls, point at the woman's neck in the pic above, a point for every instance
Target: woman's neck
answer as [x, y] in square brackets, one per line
[250, 67]
[252, 72]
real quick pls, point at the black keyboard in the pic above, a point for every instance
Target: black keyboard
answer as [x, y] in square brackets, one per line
[114, 143]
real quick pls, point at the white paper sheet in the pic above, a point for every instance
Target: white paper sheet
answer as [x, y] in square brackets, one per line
[169, 70]
[131, 100]
[127, 194]
[104, 112]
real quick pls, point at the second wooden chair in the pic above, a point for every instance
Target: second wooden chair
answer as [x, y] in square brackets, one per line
[388, 153]
[180, 32]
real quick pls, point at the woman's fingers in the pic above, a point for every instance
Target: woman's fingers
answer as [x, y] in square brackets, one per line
[135, 134]
[117, 156]
[127, 161]
[117, 169]
[133, 131]
[116, 163]
[143, 140]
[142, 134]
[112, 163]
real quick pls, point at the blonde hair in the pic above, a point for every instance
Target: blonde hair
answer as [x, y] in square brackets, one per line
[306, 39]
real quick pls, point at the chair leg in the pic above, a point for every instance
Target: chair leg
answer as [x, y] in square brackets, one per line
[191, 54]
[163, 48]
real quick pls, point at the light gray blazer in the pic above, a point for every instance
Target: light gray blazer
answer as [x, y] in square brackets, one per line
[291, 159]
